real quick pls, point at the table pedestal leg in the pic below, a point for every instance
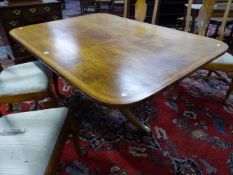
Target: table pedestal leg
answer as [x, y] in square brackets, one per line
[130, 116]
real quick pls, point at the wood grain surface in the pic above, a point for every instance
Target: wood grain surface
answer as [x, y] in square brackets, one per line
[115, 60]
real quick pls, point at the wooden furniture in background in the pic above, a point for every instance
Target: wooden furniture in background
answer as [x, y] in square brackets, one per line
[194, 14]
[104, 5]
[118, 7]
[20, 1]
[88, 6]
[169, 11]
[141, 10]
[119, 64]
[223, 63]
[217, 16]
[32, 142]
[94, 6]
[17, 15]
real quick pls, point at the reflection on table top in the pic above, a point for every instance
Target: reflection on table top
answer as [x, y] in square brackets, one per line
[116, 60]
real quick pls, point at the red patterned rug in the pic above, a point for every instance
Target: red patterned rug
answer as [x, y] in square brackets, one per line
[191, 135]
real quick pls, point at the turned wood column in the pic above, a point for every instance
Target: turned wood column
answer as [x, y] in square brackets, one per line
[204, 16]
[140, 10]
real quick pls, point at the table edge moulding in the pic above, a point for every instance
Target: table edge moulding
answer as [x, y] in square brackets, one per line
[89, 75]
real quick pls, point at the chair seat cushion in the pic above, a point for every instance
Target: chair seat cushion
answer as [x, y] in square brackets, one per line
[23, 78]
[28, 139]
[222, 63]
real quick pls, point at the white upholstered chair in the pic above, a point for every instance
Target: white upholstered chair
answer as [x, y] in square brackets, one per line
[24, 82]
[31, 143]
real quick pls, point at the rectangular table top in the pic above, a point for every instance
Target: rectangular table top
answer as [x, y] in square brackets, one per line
[116, 60]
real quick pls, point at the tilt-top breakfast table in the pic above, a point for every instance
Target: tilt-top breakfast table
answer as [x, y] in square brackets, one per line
[117, 61]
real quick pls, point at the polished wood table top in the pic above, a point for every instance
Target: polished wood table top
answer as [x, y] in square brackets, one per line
[115, 60]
